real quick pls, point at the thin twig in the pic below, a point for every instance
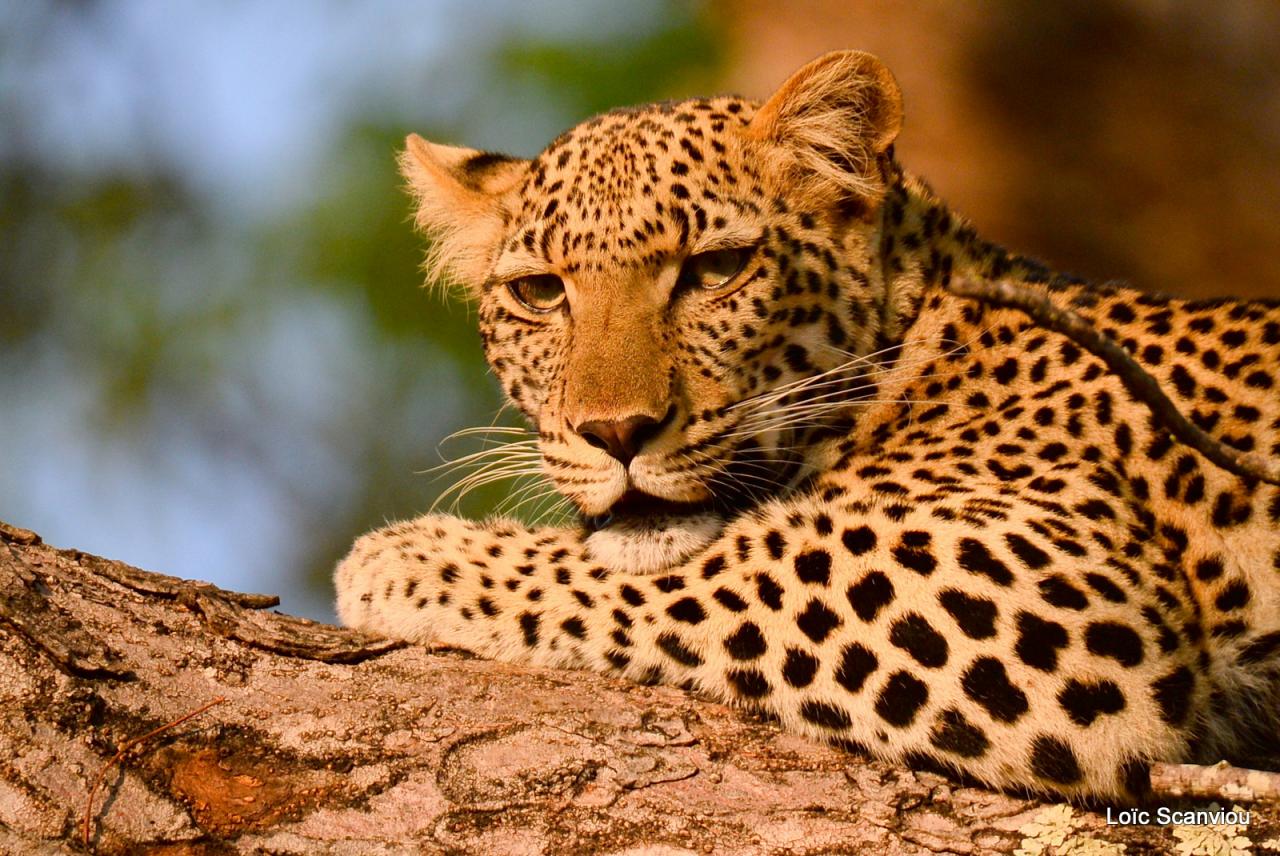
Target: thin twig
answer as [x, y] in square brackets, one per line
[1136, 379]
[1221, 781]
[124, 750]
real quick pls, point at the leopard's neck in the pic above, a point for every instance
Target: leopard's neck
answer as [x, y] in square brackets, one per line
[924, 243]
[921, 246]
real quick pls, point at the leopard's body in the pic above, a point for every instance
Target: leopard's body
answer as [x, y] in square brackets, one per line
[900, 521]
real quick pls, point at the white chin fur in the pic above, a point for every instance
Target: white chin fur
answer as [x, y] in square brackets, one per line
[646, 545]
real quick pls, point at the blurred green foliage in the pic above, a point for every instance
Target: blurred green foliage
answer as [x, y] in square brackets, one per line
[597, 77]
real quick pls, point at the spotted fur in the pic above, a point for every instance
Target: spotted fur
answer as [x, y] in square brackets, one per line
[898, 520]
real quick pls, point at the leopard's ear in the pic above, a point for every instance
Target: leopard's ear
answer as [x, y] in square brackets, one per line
[461, 196]
[837, 116]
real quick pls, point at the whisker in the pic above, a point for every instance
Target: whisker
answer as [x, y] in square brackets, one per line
[796, 414]
[464, 486]
[520, 494]
[483, 458]
[874, 368]
[484, 430]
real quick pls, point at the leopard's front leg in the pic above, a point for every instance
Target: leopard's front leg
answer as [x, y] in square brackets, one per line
[975, 647]
[503, 590]
[497, 588]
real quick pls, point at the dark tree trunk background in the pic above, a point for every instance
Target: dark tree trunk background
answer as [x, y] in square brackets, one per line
[333, 742]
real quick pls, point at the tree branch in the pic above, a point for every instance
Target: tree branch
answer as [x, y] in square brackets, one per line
[1220, 782]
[1137, 380]
[330, 741]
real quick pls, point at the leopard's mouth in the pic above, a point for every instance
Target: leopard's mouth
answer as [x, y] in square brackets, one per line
[636, 505]
[745, 479]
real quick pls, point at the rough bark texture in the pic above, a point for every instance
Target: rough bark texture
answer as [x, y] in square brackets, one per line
[331, 742]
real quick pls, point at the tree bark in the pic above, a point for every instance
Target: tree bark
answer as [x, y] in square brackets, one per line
[329, 741]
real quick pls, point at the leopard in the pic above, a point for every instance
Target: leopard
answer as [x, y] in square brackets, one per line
[810, 481]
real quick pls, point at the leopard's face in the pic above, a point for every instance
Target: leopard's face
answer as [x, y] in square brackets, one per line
[670, 298]
[655, 287]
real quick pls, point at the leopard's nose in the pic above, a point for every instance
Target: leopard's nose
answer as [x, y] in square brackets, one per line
[622, 438]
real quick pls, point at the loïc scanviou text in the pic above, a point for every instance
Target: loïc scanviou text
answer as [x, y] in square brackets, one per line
[1165, 816]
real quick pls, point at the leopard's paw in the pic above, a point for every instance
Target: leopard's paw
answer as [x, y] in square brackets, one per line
[390, 580]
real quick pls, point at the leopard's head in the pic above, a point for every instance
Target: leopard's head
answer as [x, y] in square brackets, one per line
[673, 294]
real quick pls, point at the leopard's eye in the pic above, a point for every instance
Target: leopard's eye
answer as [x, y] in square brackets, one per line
[715, 269]
[541, 293]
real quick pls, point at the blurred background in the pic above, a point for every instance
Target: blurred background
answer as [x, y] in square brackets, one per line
[215, 357]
